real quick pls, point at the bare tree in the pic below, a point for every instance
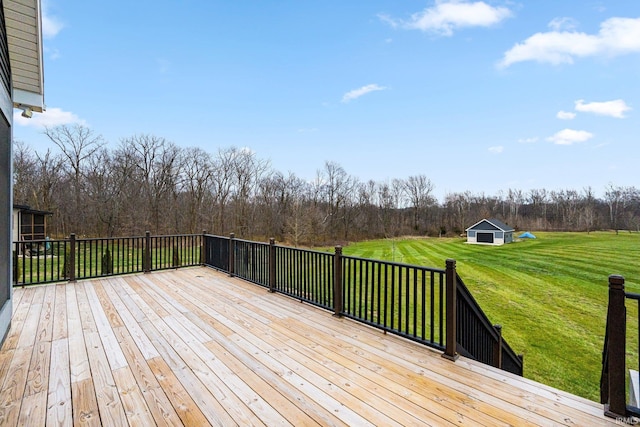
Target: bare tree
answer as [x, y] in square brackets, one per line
[614, 196]
[248, 169]
[418, 189]
[156, 171]
[24, 174]
[197, 174]
[77, 144]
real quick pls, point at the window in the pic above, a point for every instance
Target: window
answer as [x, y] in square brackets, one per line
[32, 226]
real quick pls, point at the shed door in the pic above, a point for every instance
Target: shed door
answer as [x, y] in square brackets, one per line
[484, 237]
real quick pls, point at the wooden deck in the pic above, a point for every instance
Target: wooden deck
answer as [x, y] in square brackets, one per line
[195, 347]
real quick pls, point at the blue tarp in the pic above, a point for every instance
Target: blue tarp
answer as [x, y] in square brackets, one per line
[526, 235]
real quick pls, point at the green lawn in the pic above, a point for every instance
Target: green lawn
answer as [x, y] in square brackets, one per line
[550, 294]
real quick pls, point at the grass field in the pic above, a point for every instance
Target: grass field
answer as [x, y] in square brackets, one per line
[550, 295]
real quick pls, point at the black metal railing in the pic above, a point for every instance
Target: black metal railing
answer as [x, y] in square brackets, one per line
[305, 275]
[48, 261]
[175, 251]
[403, 299]
[251, 261]
[478, 338]
[613, 385]
[216, 251]
[428, 305]
[41, 261]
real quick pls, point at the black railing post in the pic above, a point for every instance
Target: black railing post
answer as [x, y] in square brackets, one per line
[72, 257]
[337, 283]
[451, 341]
[16, 263]
[497, 348]
[146, 253]
[232, 251]
[203, 248]
[272, 265]
[616, 405]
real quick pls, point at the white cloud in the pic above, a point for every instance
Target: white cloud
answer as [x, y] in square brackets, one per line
[50, 118]
[528, 140]
[51, 26]
[449, 15]
[357, 93]
[615, 108]
[497, 149]
[566, 115]
[563, 24]
[617, 36]
[570, 136]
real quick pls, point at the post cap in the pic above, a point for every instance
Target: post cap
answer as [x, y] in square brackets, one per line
[616, 281]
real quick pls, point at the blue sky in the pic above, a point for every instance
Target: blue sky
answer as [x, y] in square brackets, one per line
[476, 95]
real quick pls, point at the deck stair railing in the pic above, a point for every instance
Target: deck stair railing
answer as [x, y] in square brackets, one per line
[428, 305]
[476, 337]
[613, 381]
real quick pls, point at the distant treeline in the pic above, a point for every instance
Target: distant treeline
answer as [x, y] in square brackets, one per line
[149, 183]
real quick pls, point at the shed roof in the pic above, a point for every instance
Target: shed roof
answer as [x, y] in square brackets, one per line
[490, 224]
[27, 209]
[24, 38]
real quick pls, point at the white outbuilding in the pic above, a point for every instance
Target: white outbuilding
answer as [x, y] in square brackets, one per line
[490, 232]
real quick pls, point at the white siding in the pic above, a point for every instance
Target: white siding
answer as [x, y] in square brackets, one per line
[25, 52]
[15, 225]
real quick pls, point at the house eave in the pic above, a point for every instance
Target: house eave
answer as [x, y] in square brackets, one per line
[500, 228]
[24, 39]
[24, 99]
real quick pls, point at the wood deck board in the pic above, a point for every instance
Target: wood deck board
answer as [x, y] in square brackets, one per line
[342, 376]
[195, 347]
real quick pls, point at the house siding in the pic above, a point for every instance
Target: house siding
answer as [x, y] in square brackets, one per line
[22, 21]
[6, 204]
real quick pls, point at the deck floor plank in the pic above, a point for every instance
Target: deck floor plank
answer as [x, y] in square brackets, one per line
[13, 386]
[338, 373]
[60, 317]
[16, 297]
[18, 319]
[183, 403]
[105, 328]
[261, 329]
[129, 320]
[212, 410]
[85, 403]
[251, 366]
[59, 404]
[506, 413]
[33, 411]
[156, 399]
[196, 347]
[45, 324]
[30, 325]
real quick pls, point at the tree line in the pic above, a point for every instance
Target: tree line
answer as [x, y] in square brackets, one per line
[150, 183]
